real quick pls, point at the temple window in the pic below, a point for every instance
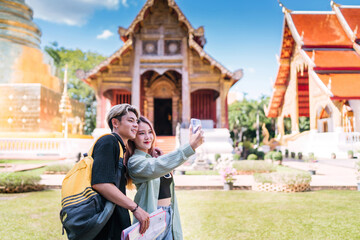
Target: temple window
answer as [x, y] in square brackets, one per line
[172, 47]
[325, 120]
[287, 125]
[150, 47]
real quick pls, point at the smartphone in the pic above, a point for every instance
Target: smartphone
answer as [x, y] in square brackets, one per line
[196, 123]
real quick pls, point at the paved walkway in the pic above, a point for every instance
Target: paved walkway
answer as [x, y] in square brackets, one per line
[327, 176]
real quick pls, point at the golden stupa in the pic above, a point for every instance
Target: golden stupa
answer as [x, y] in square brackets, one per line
[30, 94]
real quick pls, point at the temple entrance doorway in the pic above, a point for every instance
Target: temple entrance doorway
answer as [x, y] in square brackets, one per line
[163, 116]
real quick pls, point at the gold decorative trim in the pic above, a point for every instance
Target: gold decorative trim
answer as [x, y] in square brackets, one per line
[172, 4]
[21, 25]
[107, 61]
[19, 40]
[17, 14]
[18, 5]
[212, 61]
[21, 31]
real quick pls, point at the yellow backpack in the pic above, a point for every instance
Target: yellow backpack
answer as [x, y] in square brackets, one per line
[81, 213]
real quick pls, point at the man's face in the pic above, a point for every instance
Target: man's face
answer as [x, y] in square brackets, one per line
[128, 126]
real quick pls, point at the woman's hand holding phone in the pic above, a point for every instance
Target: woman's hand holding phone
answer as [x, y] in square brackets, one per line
[197, 138]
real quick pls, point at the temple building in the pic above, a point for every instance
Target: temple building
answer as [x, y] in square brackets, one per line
[319, 79]
[32, 99]
[163, 69]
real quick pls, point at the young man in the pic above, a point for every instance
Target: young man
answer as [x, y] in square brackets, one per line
[108, 170]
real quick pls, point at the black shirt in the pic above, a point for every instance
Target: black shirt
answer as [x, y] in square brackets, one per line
[107, 166]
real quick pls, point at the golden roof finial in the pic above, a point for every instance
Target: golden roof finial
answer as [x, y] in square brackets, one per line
[313, 56]
[333, 3]
[329, 84]
[284, 9]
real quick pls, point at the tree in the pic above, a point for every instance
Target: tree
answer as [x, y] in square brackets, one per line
[77, 89]
[304, 124]
[242, 119]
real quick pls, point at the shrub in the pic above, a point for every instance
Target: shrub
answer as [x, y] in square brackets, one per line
[247, 145]
[18, 179]
[300, 155]
[217, 156]
[311, 156]
[252, 157]
[350, 153]
[286, 153]
[236, 156]
[357, 168]
[260, 155]
[333, 155]
[292, 154]
[252, 166]
[268, 155]
[277, 156]
[253, 151]
[287, 178]
[59, 168]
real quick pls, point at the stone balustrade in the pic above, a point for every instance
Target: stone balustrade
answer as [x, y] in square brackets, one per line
[31, 147]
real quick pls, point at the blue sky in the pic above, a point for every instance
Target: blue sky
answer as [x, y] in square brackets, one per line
[239, 33]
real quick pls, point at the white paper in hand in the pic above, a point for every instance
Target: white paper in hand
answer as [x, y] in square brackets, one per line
[156, 227]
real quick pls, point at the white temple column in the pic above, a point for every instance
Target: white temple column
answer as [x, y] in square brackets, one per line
[185, 95]
[355, 105]
[135, 86]
[175, 114]
[218, 112]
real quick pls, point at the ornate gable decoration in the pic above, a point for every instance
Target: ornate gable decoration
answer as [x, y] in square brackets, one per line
[197, 33]
[106, 62]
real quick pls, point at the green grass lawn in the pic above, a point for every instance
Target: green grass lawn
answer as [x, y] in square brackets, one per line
[210, 215]
[205, 172]
[11, 161]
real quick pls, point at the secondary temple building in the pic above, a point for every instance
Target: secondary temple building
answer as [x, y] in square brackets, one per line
[319, 78]
[163, 69]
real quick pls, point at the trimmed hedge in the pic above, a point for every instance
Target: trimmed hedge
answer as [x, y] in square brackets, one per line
[19, 182]
[58, 168]
[253, 166]
[287, 178]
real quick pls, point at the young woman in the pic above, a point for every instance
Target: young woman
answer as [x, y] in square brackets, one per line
[151, 173]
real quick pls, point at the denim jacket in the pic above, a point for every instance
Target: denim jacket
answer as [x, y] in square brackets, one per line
[145, 171]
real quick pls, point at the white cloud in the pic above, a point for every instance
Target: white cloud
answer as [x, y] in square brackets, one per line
[70, 12]
[251, 70]
[105, 35]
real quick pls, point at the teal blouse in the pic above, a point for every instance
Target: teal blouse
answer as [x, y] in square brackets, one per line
[145, 171]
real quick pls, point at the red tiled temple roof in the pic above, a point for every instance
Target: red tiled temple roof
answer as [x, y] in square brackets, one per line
[352, 17]
[335, 60]
[343, 85]
[320, 30]
[329, 43]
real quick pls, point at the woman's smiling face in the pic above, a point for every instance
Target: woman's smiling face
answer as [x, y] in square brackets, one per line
[144, 137]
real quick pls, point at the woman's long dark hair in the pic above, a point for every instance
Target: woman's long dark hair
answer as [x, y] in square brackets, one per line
[131, 149]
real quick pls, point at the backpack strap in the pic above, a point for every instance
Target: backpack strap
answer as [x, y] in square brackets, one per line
[121, 154]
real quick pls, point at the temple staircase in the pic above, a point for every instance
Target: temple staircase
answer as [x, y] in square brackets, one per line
[166, 143]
